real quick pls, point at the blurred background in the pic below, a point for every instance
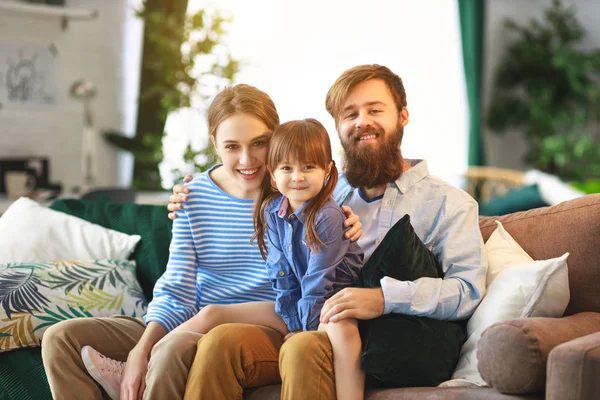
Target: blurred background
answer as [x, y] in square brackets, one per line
[99, 94]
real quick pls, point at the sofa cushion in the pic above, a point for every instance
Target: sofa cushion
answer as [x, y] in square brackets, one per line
[36, 295]
[148, 221]
[577, 362]
[22, 375]
[405, 350]
[521, 199]
[550, 232]
[512, 354]
[51, 235]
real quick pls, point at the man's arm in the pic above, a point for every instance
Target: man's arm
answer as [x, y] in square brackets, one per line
[459, 248]
[461, 252]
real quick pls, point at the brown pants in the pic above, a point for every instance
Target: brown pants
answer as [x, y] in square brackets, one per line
[114, 337]
[233, 357]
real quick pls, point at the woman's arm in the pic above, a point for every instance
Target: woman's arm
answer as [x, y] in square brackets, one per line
[180, 193]
[133, 382]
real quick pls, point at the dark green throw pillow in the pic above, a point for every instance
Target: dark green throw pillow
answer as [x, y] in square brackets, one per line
[521, 199]
[149, 221]
[403, 350]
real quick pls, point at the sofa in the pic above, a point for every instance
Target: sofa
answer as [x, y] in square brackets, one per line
[555, 358]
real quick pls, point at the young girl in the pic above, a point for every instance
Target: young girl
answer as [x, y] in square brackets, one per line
[308, 258]
[300, 233]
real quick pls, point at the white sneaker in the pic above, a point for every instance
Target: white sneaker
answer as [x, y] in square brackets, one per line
[106, 371]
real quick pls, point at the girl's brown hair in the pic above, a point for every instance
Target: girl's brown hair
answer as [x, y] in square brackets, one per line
[241, 99]
[305, 141]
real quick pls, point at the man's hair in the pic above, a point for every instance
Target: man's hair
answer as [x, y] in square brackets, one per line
[338, 93]
[241, 99]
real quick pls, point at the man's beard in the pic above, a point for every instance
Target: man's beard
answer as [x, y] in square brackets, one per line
[371, 166]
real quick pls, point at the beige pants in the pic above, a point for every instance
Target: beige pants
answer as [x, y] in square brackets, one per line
[234, 357]
[114, 337]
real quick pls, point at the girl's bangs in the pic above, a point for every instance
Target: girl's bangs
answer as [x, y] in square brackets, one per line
[299, 143]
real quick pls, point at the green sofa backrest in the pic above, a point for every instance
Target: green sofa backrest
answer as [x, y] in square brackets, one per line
[149, 221]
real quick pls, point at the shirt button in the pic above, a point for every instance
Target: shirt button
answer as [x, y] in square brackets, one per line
[291, 216]
[289, 248]
[403, 188]
[281, 273]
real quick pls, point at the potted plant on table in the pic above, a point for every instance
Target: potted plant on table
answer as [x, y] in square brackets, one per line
[549, 87]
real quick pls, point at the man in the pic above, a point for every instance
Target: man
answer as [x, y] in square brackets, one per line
[368, 104]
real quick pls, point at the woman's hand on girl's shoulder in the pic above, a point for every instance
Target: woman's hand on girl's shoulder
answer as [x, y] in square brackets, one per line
[179, 196]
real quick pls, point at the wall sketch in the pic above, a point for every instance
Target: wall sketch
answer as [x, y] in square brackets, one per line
[28, 75]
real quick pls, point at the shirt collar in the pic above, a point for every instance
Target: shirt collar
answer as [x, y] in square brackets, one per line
[417, 172]
[279, 206]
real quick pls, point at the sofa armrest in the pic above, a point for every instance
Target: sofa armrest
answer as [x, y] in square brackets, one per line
[512, 354]
[574, 368]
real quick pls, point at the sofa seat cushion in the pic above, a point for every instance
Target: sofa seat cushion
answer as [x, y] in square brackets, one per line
[272, 392]
[550, 232]
[512, 354]
[22, 375]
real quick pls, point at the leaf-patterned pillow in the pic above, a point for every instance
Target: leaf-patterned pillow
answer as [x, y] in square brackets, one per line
[36, 295]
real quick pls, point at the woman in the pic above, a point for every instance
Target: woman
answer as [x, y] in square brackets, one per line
[211, 262]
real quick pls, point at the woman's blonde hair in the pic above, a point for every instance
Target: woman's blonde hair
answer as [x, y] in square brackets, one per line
[241, 98]
[305, 141]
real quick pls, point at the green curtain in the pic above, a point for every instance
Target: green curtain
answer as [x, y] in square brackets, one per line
[472, 25]
[150, 120]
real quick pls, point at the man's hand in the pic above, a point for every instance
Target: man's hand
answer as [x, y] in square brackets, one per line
[355, 303]
[133, 382]
[179, 196]
[352, 220]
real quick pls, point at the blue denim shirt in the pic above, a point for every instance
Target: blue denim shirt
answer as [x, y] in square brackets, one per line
[446, 219]
[303, 279]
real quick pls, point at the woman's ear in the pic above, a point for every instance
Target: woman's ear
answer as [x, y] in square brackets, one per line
[213, 140]
[331, 163]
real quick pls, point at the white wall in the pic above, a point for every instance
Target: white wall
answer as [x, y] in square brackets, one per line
[106, 51]
[507, 150]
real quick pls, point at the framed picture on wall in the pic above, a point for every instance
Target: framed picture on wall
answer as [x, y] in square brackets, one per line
[36, 166]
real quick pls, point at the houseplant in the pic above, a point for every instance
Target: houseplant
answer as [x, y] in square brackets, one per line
[548, 87]
[184, 58]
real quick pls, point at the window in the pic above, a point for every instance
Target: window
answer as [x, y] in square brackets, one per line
[294, 51]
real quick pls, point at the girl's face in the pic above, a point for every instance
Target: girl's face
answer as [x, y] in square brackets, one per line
[299, 181]
[241, 142]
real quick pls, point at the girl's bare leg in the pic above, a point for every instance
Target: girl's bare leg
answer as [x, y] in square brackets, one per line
[346, 345]
[256, 313]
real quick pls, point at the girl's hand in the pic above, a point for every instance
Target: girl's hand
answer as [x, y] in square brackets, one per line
[133, 382]
[352, 220]
[178, 197]
[289, 335]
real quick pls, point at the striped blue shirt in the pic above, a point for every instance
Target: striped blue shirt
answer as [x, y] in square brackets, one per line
[211, 259]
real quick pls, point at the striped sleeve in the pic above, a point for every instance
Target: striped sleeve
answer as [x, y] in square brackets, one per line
[174, 296]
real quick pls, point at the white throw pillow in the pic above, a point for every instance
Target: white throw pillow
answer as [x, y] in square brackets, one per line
[30, 232]
[517, 287]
